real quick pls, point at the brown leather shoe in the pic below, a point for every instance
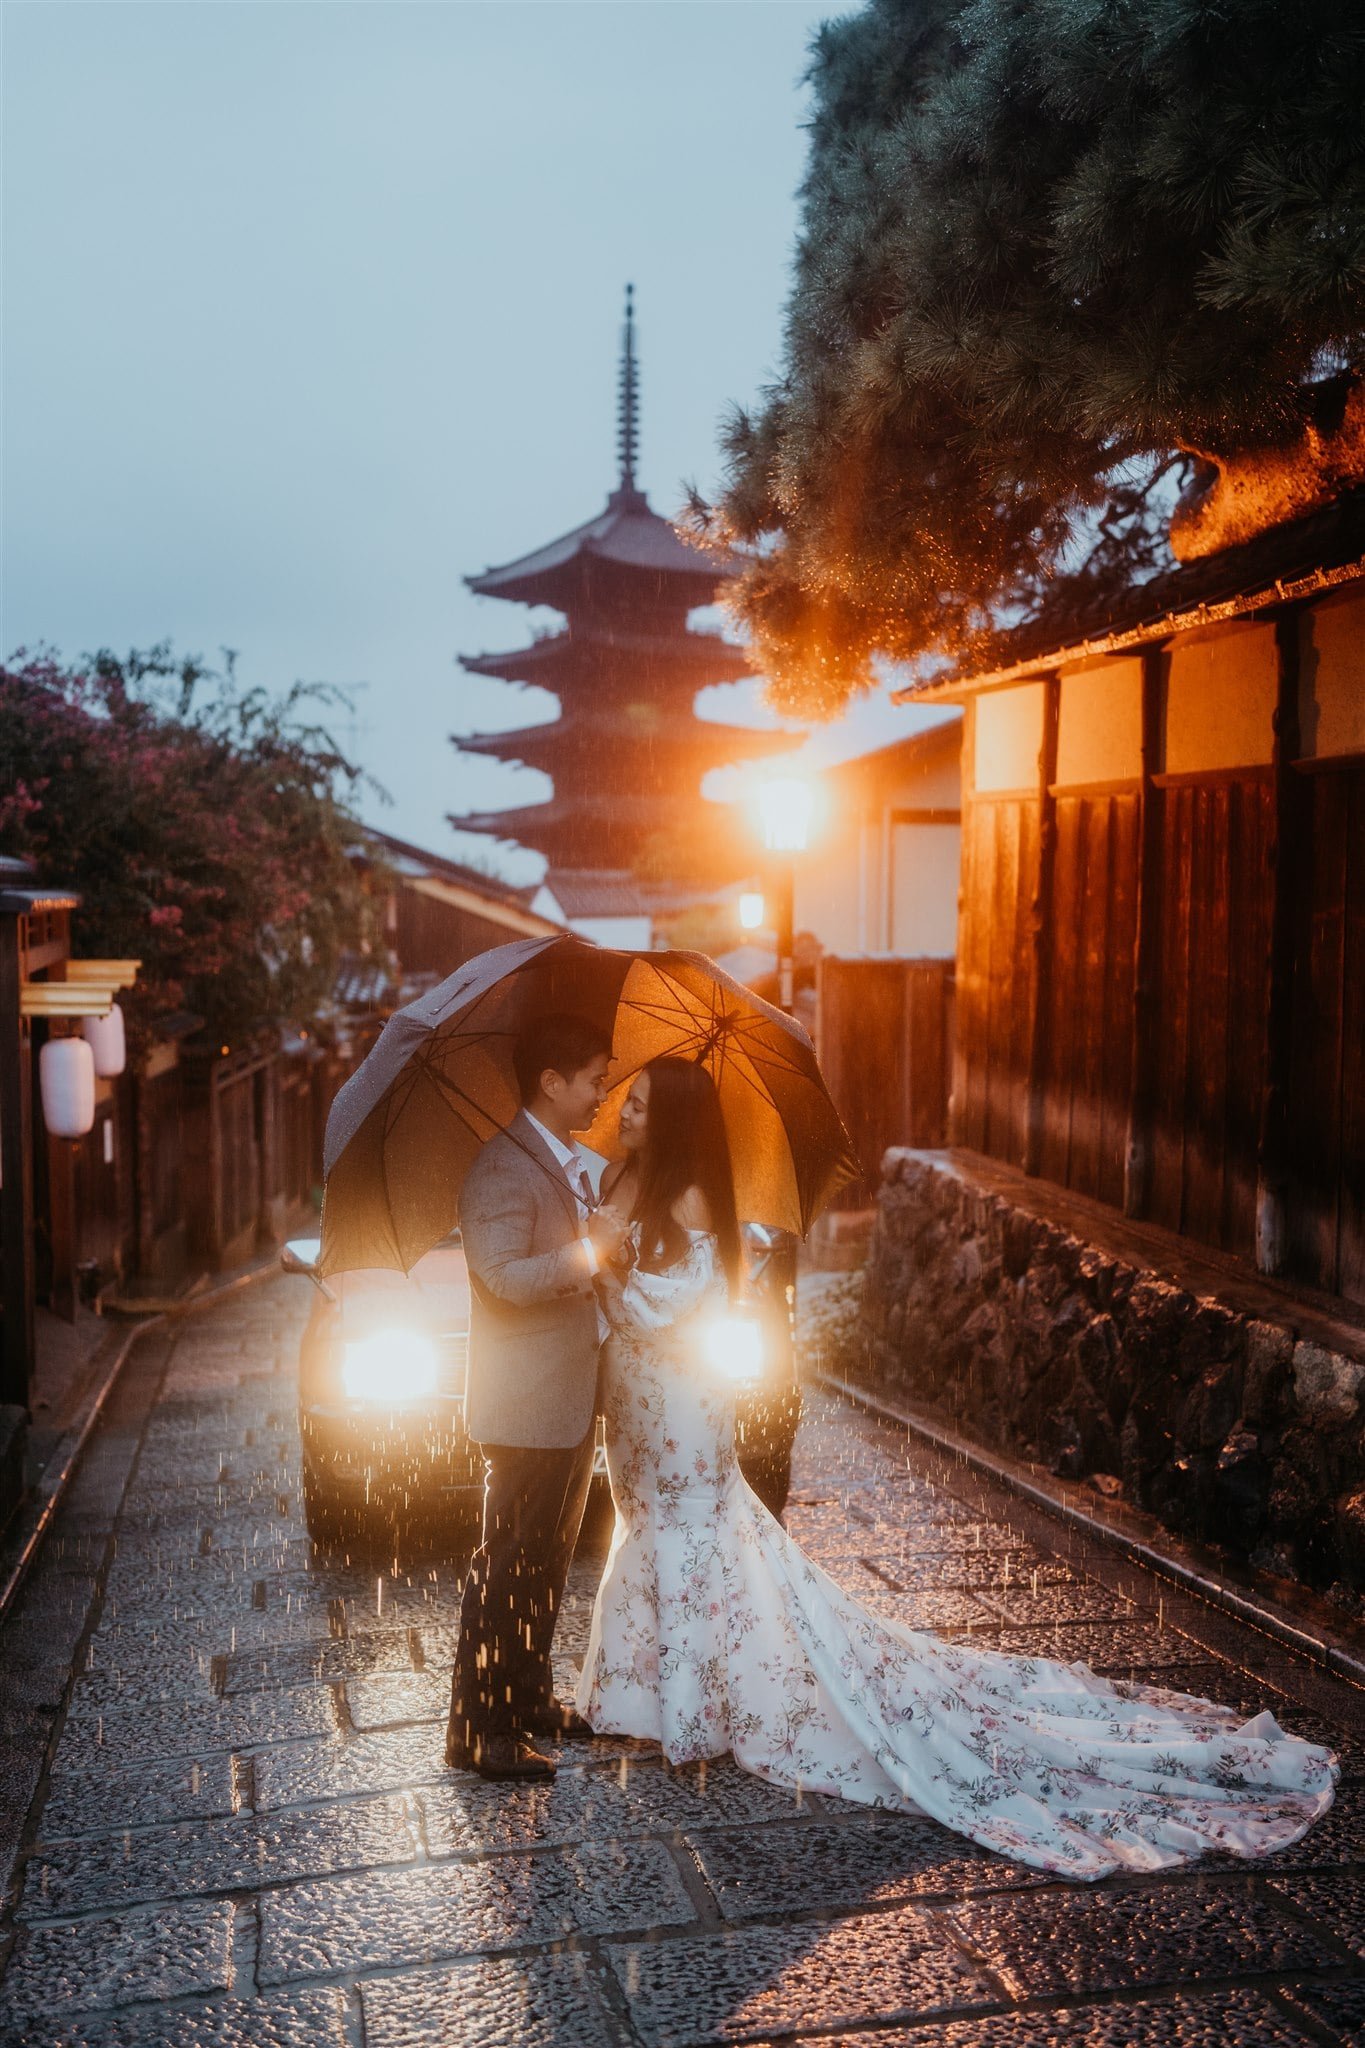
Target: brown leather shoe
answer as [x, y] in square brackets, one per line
[563, 1724]
[511, 1756]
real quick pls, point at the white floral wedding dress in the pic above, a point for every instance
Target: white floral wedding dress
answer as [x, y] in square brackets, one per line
[712, 1632]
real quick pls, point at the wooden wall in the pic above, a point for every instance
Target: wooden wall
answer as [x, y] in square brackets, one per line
[1212, 992]
[1327, 1078]
[885, 1030]
[1000, 845]
[1117, 1042]
[1087, 993]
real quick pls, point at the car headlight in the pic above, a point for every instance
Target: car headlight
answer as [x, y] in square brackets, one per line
[391, 1365]
[733, 1347]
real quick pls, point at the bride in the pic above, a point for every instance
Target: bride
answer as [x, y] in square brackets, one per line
[713, 1633]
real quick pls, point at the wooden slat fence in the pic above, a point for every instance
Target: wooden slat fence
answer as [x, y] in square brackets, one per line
[885, 1030]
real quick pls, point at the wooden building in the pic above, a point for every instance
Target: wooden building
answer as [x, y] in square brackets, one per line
[878, 897]
[882, 881]
[1161, 955]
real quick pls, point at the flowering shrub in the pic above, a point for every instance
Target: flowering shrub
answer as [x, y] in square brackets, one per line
[204, 825]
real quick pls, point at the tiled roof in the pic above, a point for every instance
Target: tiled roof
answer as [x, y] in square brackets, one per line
[413, 861]
[1323, 548]
[628, 535]
[616, 892]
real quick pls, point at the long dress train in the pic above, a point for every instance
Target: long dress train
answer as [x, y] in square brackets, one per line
[714, 1633]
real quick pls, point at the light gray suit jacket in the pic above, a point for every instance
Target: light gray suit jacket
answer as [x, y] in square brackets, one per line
[533, 1330]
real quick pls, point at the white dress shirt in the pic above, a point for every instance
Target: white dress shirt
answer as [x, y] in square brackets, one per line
[577, 1175]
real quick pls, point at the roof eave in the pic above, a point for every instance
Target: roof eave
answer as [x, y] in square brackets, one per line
[1283, 590]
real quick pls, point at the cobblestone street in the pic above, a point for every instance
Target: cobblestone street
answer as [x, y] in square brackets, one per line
[221, 1782]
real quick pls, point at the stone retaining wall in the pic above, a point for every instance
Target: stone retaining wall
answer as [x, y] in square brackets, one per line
[1230, 1429]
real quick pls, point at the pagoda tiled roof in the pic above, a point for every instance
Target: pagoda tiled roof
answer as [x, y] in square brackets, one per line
[634, 812]
[618, 728]
[698, 657]
[605, 825]
[626, 538]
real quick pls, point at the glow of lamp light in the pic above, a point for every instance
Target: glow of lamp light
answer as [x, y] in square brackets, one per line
[786, 804]
[751, 911]
[734, 1348]
[390, 1366]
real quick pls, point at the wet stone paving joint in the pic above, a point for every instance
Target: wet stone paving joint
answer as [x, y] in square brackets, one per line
[227, 1819]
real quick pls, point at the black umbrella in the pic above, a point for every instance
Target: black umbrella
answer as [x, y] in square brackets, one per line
[403, 1131]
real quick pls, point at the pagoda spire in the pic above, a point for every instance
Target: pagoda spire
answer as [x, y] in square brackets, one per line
[628, 407]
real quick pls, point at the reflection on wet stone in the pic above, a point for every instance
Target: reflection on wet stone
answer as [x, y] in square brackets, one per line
[454, 1909]
[742, 1986]
[529, 2002]
[159, 1953]
[1091, 1941]
[249, 1795]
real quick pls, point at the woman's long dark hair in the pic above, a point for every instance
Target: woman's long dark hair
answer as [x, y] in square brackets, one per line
[685, 1147]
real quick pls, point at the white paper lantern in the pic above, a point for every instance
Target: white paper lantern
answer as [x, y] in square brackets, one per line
[66, 1081]
[104, 1036]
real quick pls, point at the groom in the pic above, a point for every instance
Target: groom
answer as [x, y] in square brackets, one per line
[532, 1245]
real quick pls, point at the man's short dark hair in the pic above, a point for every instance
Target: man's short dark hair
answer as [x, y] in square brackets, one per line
[561, 1041]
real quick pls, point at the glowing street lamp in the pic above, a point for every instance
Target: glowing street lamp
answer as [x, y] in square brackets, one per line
[786, 806]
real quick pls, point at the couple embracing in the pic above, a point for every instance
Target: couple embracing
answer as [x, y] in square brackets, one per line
[712, 1632]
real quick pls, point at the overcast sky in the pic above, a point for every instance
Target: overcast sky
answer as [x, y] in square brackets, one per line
[311, 308]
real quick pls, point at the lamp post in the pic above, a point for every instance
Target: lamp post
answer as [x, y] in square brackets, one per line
[786, 804]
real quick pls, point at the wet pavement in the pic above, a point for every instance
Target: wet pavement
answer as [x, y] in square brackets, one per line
[223, 1798]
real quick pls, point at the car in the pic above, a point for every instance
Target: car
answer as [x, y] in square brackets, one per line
[382, 1367]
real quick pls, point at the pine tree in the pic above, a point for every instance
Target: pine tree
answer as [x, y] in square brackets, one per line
[1046, 245]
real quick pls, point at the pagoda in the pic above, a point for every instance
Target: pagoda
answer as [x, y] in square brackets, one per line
[627, 752]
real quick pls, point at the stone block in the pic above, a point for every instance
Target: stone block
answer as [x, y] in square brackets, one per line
[1220, 2019]
[1267, 1373]
[13, 1444]
[98, 1736]
[1349, 1517]
[466, 1816]
[1339, 2007]
[385, 1918]
[398, 1697]
[1326, 1385]
[493, 2002]
[116, 1960]
[291, 2019]
[338, 1769]
[858, 1861]
[752, 1983]
[163, 1863]
[259, 1670]
[135, 1794]
[1211, 1407]
[1336, 1902]
[1096, 1941]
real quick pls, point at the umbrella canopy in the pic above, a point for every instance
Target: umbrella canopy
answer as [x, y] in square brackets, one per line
[404, 1130]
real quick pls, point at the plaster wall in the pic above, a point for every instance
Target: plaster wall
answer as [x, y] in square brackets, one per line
[1220, 699]
[1099, 725]
[633, 934]
[925, 862]
[1332, 678]
[841, 886]
[1009, 738]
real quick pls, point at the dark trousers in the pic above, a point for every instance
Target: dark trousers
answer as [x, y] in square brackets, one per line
[532, 1507]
